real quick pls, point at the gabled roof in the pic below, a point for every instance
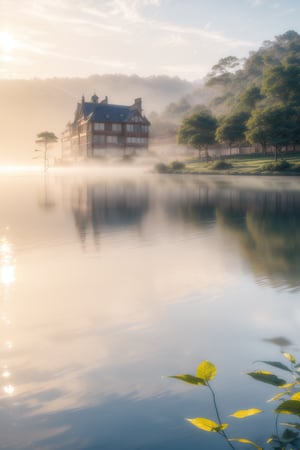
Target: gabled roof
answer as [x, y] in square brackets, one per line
[104, 112]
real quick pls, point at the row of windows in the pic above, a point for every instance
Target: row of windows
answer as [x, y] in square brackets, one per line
[136, 140]
[117, 127]
[101, 140]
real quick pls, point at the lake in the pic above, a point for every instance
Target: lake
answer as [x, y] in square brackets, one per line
[111, 280]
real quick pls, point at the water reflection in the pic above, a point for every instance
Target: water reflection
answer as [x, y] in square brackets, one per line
[261, 224]
[86, 336]
[7, 268]
[107, 205]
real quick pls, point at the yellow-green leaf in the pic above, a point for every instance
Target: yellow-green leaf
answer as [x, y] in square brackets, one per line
[287, 386]
[246, 413]
[206, 371]
[296, 396]
[207, 424]
[267, 377]
[276, 397]
[188, 379]
[289, 407]
[290, 357]
[291, 425]
[246, 441]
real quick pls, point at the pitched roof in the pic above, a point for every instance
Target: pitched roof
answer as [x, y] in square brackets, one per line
[104, 112]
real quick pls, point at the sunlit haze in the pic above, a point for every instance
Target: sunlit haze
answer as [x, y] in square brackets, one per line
[147, 37]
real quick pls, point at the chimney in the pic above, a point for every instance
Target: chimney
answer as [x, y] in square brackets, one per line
[95, 98]
[105, 100]
[138, 104]
[82, 99]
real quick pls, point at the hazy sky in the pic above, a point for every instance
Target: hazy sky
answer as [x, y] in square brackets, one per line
[47, 38]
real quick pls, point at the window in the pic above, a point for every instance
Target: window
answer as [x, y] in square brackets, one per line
[144, 129]
[99, 126]
[136, 140]
[98, 139]
[117, 127]
[112, 139]
[129, 128]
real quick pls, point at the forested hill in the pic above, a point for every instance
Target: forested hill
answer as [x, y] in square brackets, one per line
[243, 84]
[266, 76]
[31, 106]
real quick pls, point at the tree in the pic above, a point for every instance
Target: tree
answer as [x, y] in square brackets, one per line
[232, 129]
[278, 126]
[198, 130]
[250, 97]
[45, 139]
[283, 82]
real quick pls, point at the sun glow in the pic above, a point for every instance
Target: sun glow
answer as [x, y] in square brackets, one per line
[7, 42]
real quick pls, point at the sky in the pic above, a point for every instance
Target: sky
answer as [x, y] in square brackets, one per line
[184, 38]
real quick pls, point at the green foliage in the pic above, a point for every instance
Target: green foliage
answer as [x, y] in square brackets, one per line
[177, 165]
[278, 166]
[198, 130]
[232, 129]
[250, 97]
[220, 164]
[162, 168]
[174, 166]
[45, 139]
[190, 379]
[288, 438]
[267, 377]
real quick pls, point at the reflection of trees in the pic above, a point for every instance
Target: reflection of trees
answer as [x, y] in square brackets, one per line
[46, 200]
[107, 205]
[196, 207]
[266, 229]
[264, 224]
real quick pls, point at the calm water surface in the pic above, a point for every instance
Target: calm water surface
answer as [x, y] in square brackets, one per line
[112, 280]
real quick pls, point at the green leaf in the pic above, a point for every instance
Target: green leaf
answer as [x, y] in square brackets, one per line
[279, 365]
[207, 425]
[267, 377]
[206, 371]
[289, 407]
[290, 357]
[245, 413]
[272, 439]
[296, 396]
[289, 435]
[246, 441]
[189, 379]
[291, 425]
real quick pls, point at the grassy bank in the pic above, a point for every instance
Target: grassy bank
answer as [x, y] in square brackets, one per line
[237, 165]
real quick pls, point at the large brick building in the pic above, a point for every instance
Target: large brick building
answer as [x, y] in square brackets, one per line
[100, 128]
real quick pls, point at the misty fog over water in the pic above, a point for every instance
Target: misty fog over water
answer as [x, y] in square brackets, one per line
[112, 280]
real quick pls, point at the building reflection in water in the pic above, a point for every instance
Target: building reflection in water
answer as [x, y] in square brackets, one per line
[100, 206]
[7, 270]
[260, 224]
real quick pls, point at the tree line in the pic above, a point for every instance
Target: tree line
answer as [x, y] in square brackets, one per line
[262, 101]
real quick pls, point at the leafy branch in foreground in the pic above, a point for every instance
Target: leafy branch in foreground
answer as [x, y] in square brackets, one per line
[289, 396]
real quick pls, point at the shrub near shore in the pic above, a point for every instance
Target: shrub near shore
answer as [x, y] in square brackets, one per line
[238, 165]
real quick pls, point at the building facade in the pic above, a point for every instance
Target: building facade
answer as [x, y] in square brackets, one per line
[101, 128]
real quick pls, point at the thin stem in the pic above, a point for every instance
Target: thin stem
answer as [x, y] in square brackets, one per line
[221, 432]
